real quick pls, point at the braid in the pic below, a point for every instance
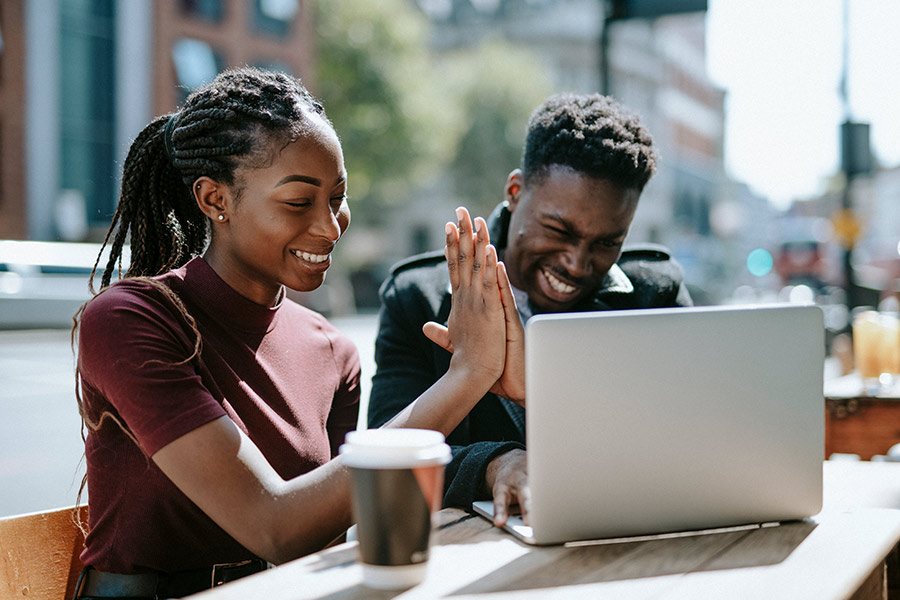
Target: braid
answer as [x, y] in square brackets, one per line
[226, 124]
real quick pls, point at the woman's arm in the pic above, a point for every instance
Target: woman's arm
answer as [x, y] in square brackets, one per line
[225, 474]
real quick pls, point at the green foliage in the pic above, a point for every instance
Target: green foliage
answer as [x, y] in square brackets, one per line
[373, 77]
[406, 116]
[498, 86]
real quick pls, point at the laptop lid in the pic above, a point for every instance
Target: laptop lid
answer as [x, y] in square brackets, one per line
[651, 421]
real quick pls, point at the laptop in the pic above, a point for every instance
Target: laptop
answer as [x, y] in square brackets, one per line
[658, 421]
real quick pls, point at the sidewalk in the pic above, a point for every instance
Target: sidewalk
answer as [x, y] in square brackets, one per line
[40, 440]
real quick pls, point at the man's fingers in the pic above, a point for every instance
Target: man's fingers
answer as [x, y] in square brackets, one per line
[514, 330]
[501, 505]
[492, 299]
[438, 334]
[524, 495]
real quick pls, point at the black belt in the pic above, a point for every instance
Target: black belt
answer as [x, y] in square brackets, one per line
[99, 584]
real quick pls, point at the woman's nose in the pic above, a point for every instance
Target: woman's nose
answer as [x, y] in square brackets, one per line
[326, 225]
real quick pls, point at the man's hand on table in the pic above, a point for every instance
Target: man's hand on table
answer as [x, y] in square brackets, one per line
[507, 477]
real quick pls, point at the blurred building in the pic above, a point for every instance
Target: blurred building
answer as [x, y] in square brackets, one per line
[656, 67]
[80, 78]
[876, 252]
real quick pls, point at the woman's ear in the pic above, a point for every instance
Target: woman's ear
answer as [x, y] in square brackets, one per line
[211, 198]
[513, 189]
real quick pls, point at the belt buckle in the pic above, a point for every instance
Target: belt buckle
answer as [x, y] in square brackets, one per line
[220, 571]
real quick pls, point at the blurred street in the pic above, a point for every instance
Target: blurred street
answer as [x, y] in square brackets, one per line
[40, 440]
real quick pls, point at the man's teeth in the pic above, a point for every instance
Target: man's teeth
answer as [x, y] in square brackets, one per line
[313, 258]
[559, 286]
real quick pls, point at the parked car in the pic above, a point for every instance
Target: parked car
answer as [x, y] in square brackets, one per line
[42, 284]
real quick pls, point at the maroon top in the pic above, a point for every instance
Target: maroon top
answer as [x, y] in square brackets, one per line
[285, 375]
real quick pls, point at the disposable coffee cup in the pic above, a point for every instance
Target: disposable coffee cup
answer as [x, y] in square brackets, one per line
[398, 481]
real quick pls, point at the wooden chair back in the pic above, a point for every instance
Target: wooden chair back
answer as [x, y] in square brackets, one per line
[40, 554]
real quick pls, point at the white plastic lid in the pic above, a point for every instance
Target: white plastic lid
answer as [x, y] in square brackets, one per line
[394, 448]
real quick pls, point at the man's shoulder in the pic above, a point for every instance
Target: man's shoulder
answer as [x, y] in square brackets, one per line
[424, 273]
[649, 252]
[418, 261]
[656, 277]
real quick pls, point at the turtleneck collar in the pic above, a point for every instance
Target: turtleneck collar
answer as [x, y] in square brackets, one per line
[207, 291]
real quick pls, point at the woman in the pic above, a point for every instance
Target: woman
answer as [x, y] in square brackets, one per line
[213, 404]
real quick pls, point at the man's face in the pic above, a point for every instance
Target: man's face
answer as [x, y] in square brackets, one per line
[565, 233]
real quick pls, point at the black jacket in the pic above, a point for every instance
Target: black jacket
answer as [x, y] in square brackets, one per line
[418, 291]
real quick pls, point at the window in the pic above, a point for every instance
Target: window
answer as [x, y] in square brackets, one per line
[196, 63]
[207, 10]
[275, 16]
[87, 109]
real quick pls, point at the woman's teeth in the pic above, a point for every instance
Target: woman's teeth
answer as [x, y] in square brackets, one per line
[559, 286]
[313, 258]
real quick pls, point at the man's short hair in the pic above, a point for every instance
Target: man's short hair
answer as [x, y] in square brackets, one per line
[592, 134]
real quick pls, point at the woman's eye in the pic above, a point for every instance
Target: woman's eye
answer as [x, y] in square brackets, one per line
[298, 203]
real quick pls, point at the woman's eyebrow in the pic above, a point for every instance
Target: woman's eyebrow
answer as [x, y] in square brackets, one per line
[300, 178]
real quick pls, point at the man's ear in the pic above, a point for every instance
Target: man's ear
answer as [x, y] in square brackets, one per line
[212, 198]
[513, 189]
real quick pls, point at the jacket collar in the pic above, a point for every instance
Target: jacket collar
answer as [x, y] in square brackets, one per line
[616, 281]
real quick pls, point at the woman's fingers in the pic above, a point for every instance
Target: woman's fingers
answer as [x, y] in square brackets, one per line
[438, 334]
[451, 253]
[481, 241]
[466, 246]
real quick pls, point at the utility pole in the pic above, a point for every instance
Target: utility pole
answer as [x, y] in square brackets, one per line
[619, 10]
[855, 160]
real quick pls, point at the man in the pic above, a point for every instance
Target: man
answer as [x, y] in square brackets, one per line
[560, 232]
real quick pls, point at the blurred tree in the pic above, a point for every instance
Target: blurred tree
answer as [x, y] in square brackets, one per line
[497, 86]
[374, 77]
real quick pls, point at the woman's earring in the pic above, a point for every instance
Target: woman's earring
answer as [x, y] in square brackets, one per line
[221, 217]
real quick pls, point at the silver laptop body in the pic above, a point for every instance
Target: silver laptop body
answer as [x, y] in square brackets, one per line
[667, 420]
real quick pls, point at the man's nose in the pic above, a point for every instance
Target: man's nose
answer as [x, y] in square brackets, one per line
[578, 261]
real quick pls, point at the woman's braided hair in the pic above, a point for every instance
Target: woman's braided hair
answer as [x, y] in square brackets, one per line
[222, 125]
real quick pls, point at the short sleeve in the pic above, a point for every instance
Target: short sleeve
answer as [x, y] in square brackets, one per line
[136, 360]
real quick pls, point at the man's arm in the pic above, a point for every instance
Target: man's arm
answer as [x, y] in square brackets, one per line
[465, 475]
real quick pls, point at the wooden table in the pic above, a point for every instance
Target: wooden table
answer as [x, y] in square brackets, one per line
[847, 551]
[857, 424]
